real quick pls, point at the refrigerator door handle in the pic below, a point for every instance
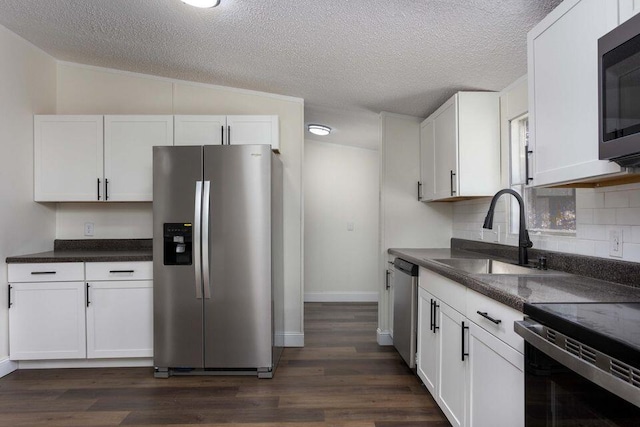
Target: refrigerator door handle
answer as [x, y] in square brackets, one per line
[205, 239]
[197, 220]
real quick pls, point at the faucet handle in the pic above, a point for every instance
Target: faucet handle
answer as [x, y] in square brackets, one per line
[542, 262]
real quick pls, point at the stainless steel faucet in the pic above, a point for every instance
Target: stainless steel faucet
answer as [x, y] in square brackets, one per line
[523, 235]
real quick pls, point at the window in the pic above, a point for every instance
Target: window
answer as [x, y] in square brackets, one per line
[549, 210]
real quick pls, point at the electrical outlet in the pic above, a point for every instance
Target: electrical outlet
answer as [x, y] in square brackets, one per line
[88, 229]
[351, 226]
[615, 242]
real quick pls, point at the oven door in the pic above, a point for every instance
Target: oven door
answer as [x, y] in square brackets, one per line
[557, 395]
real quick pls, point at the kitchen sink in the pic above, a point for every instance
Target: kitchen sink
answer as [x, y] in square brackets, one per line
[491, 266]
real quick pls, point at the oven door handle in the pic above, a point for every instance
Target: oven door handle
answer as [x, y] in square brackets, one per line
[532, 332]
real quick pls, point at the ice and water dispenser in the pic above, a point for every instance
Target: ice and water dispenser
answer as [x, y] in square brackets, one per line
[178, 244]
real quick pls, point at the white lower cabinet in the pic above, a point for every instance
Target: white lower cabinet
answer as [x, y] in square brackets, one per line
[476, 378]
[120, 319]
[119, 309]
[46, 321]
[428, 345]
[110, 315]
[451, 392]
[439, 362]
[494, 380]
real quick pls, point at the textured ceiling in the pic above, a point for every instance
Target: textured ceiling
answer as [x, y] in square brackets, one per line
[401, 56]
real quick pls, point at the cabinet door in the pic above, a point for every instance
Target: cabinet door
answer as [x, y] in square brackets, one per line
[478, 145]
[563, 95]
[445, 151]
[628, 8]
[120, 319]
[199, 130]
[427, 160]
[47, 321]
[243, 130]
[495, 382]
[67, 158]
[451, 378]
[428, 342]
[128, 158]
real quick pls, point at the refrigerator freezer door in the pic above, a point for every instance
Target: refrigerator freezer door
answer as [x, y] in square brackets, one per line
[238, 325]
[177, 311]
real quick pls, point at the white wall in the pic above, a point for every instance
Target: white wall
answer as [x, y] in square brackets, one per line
[111, 220]
[341, 187]
[28, 86]
[404, 221]
[597, 210]
[91, 90]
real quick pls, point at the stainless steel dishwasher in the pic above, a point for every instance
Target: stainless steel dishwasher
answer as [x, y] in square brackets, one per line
[405, 310]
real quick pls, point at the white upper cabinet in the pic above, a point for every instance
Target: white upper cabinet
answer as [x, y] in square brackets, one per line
[242, 130]
[199, 130]
[563, 91]
[426, 186]
[222, 130]
[97, 158]
[128, 155]
[460, 148]
[445, 151]
[628, 8]
[68, 158]
[110, 158]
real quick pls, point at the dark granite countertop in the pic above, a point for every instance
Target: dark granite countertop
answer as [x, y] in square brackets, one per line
[91, 250]
[515, 290]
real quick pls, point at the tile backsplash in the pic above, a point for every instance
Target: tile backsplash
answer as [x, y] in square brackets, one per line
[598, 211]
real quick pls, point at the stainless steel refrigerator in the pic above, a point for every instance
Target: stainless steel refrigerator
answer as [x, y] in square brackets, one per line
[217, 260]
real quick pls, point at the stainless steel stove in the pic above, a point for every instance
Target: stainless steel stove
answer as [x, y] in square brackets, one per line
[582, 364]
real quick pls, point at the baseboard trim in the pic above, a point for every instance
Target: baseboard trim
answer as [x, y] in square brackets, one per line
[341, 297]
[85, 363]
[384, 337]
[293, 339]
[7, 366]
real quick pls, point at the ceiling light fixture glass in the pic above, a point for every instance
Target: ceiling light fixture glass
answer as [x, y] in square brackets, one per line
[321, 130]
[202, 3]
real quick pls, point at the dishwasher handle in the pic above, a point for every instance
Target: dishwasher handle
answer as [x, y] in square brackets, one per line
[406, 267]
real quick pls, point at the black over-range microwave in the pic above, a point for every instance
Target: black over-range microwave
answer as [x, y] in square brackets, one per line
[619, 94]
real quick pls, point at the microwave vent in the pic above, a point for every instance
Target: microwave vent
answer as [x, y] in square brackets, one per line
[629, 161]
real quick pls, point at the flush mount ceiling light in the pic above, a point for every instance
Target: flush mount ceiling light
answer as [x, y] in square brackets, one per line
[321, 130]
[202, 3]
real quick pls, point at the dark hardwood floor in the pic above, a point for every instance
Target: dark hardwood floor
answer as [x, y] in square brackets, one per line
[341, 378]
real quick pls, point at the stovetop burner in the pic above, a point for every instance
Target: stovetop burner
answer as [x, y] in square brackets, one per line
[613, 328]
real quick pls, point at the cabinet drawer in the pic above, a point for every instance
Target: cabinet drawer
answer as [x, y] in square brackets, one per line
[503, 330]
[46, 272]
[447, 290]
[139, 270]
